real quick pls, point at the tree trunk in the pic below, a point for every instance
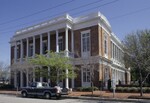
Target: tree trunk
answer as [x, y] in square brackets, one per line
[141, 85]
[92, 88]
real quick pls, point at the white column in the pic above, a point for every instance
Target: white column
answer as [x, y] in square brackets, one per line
[72, 41]
[41, 45]
[57, 45]
[66, 41]
[21, 50]
[48, 40]
[41, 52]
[27, 54]
[112, 49]
[21, 79]
[27, 77]
[72, 50]
[15, 79]
[66, 49]
[33, 56]
[48, 50]
[15, 52]
[33, 46]
[57, 49]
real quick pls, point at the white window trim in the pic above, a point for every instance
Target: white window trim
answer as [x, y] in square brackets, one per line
[85, 84]
[44, 41]
[84, 32]
[31, 44]
[105, 54]
[60, 37]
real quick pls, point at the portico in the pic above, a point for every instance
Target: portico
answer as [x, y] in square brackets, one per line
[27, 47]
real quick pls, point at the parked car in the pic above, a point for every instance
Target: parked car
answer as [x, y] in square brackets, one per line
[41, 89]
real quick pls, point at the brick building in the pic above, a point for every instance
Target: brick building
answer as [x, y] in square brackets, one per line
[86, 37]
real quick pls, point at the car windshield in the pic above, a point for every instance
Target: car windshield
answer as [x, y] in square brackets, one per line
[33, 84]
[45, 85]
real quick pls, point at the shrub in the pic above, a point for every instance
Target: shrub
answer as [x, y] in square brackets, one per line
[6, 86]
[119, 89]
[134, 89]
[79, 89]
[86, 89]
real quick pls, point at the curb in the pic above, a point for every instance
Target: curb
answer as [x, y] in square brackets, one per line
[104, 99]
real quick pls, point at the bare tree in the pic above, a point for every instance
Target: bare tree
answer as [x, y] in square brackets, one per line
[4, 71]
[138, 55]
[90, 63]
[25, 67]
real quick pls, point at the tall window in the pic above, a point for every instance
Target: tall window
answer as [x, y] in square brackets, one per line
[60, 43]
[30, 50]
[18, 52]
[44, 47]
[86, 75]
[86, 42]
[105, 43]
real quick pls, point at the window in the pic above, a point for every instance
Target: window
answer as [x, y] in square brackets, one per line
[18, 52]
[60, 43]
[86, 42]
[86, 75]
[105, 43]
[44, 47]
[30, 50]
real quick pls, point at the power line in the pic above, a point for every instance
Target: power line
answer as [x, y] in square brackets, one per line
[96, 7]
[130, 13]
[57, 14]
[23, 17]
[72, 10]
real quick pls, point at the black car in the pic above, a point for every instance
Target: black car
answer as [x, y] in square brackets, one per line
[41, 89]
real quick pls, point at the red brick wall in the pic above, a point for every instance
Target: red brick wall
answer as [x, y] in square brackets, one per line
[37, 46]
[93, 38]
[24, 49]
[53, 42]
[12, 54]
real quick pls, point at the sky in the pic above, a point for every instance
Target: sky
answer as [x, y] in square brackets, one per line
[125, 16]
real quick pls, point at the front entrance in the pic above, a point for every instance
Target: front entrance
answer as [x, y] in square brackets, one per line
[86, 78]
[106, 78]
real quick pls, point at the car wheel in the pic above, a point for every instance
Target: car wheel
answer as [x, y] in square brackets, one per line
[24, 94]
[47, 95]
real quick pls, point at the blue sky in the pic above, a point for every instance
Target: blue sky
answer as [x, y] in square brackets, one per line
[125, 16]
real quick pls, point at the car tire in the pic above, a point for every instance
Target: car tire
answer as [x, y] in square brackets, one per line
[24, 94]
[47, 95]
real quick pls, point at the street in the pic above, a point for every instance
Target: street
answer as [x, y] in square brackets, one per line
[14, 99]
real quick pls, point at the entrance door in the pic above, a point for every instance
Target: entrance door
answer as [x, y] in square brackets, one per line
[106, 77]
[86, 78]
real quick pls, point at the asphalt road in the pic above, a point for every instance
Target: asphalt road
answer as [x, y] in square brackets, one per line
[14, 99]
